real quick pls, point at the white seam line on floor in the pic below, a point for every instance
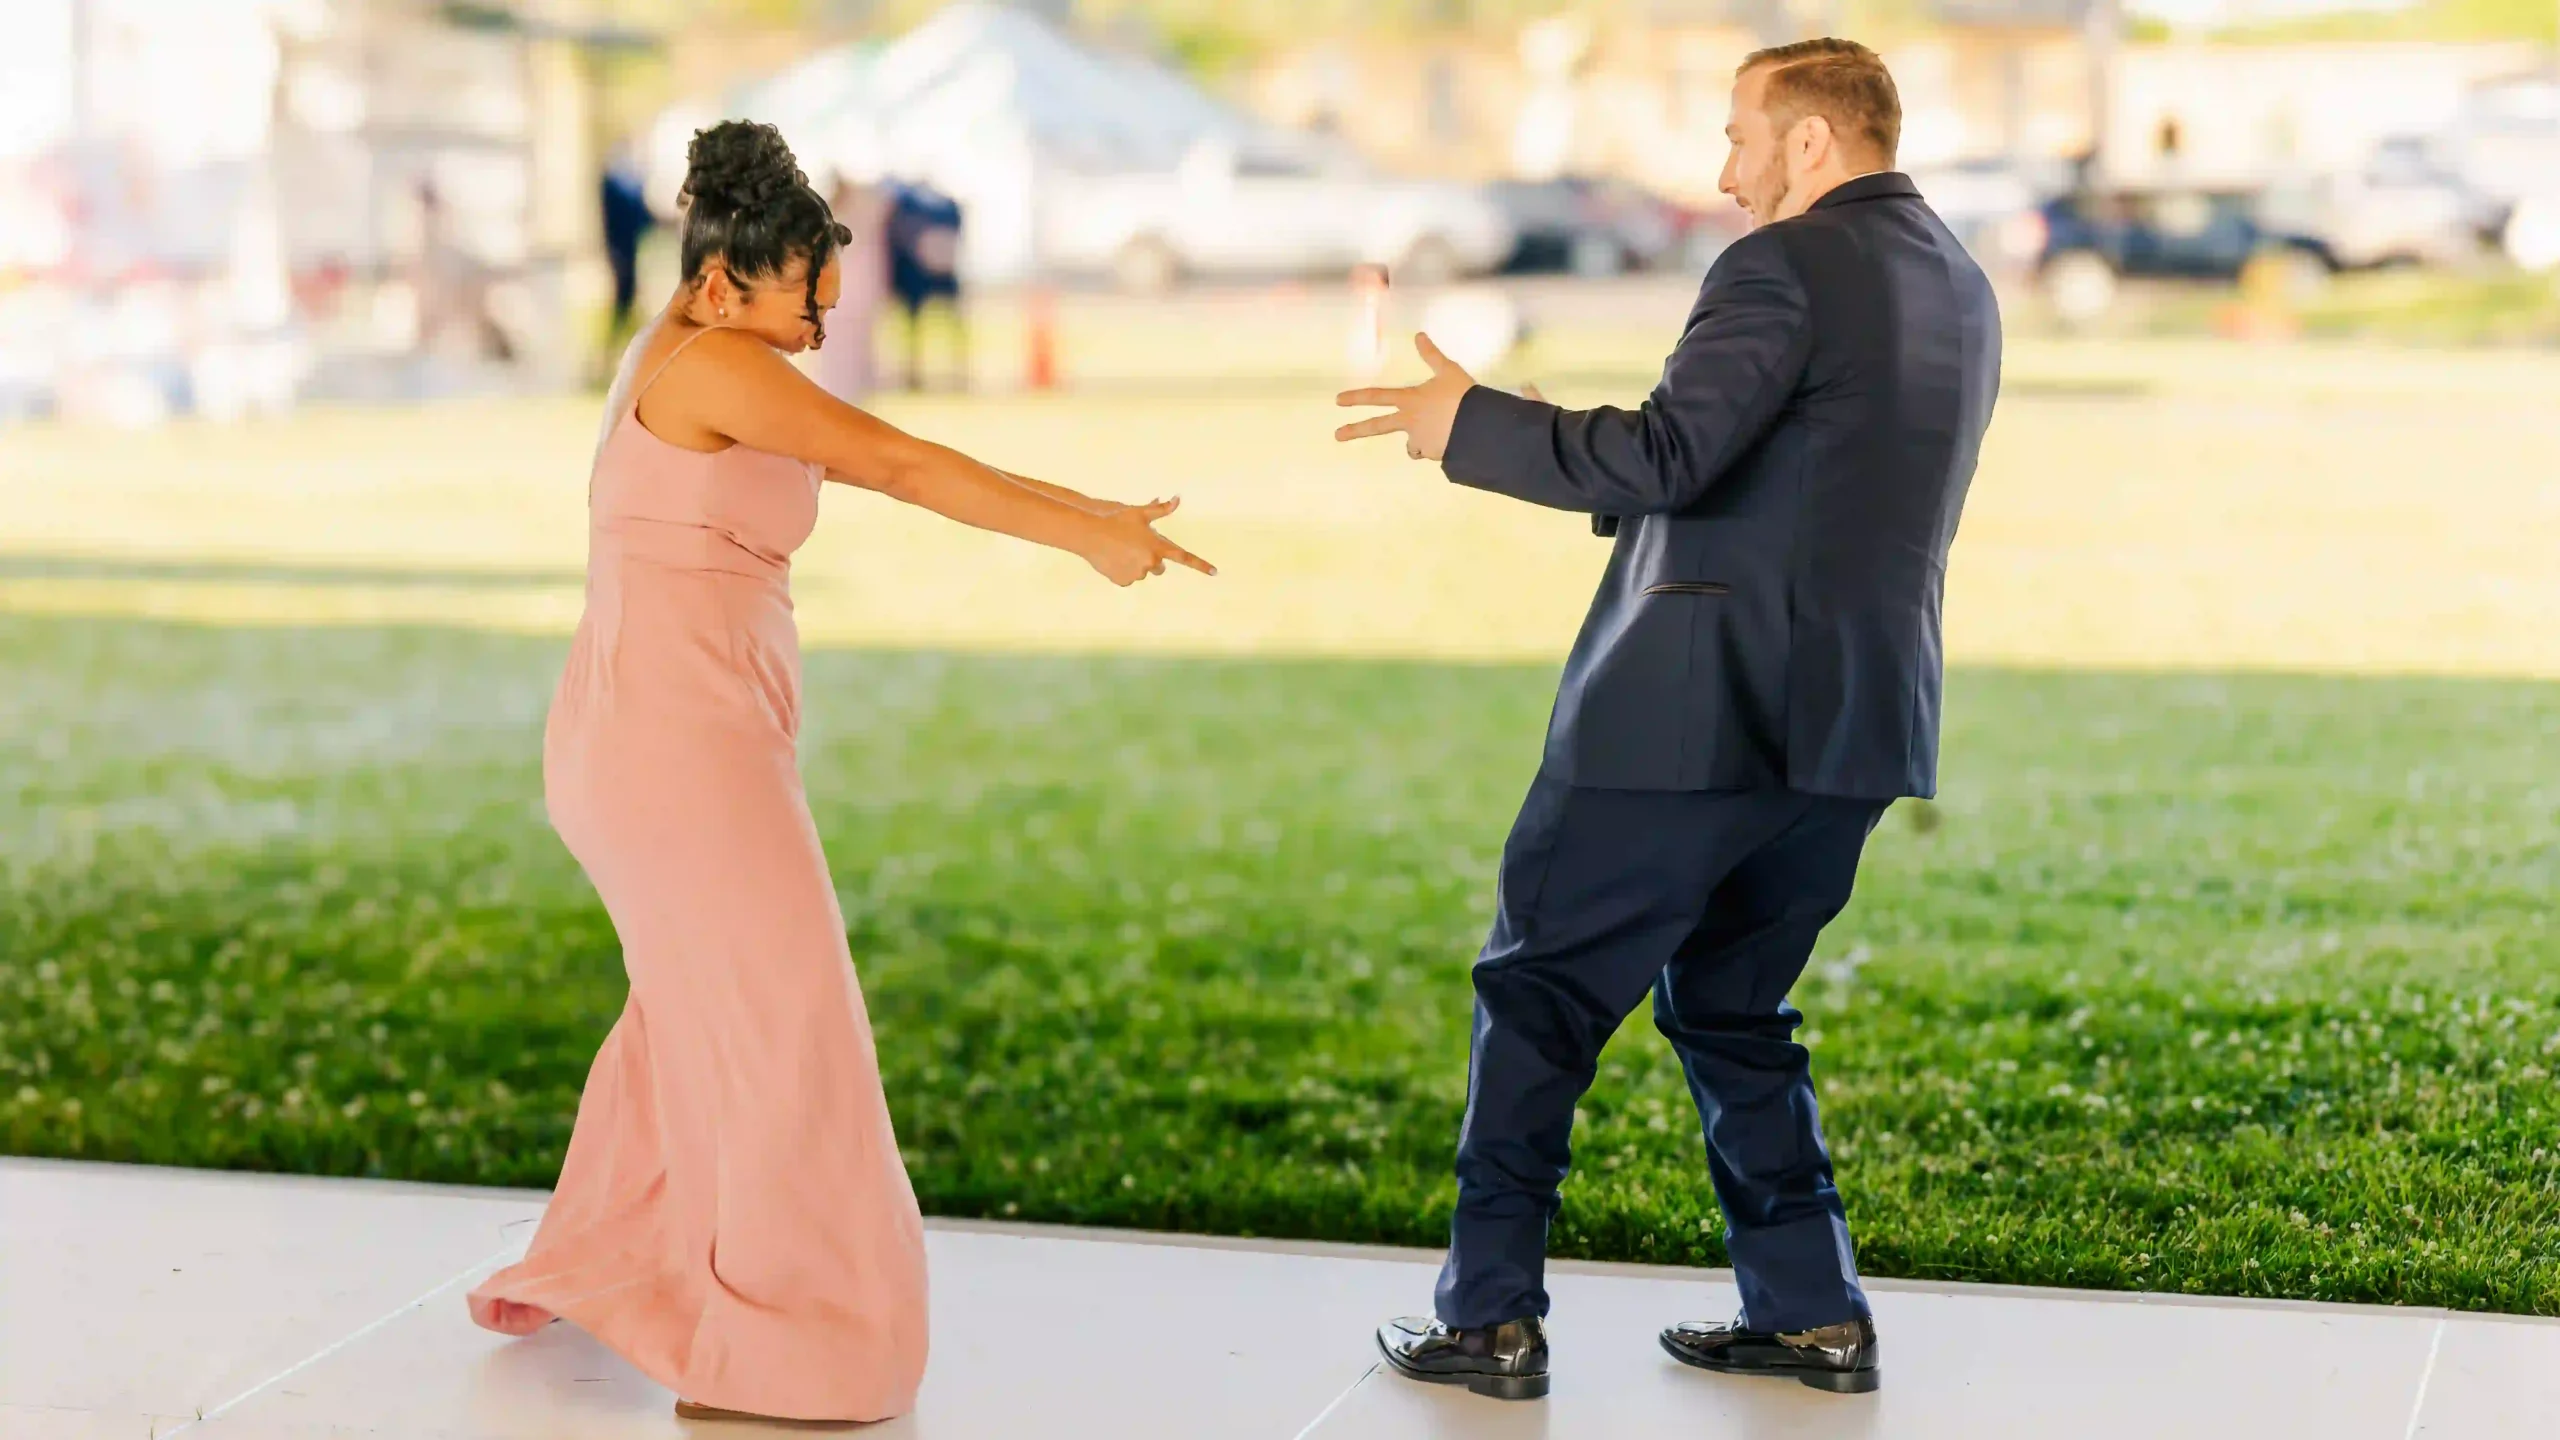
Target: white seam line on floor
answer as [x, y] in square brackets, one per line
[2418, 1406]
[1327, 1412]
[324, 1352]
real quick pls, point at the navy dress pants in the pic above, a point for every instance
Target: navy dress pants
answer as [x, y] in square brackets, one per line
[1711, 900]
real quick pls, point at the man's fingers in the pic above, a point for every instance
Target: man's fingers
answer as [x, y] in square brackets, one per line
[1374, 425]
[1155, 510]
[1388, 398]
[1531, 391]
[1440, 364]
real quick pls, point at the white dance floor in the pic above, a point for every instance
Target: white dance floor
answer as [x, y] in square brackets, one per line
[139, 1304]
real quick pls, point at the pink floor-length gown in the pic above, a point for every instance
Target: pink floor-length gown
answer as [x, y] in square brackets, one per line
[732, 1217]
[847, 366]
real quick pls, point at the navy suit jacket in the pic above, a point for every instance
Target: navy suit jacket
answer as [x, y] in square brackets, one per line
[1783, 506]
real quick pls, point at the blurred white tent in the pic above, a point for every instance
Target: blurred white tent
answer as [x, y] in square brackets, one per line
[989, 104]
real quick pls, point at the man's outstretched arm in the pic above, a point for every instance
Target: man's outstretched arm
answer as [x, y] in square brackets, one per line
[1743, 355]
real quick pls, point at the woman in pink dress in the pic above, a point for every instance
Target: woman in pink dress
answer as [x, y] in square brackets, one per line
[732, 1216]
[850, 368]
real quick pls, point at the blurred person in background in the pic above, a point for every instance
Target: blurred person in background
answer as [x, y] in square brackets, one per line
[849, 369]
[453, 288]
[627, 220]
[924, 275]
[732, 1216]
[1757, 681]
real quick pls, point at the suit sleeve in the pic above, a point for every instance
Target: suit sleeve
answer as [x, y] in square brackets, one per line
[1745, 351]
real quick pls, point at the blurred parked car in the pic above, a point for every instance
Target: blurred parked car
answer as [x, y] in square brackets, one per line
[1272, 205]
[1704, 234]
[2092, 239]
[2505, 142]
[1589, 225]
[2531, 234]
[2404, 205]
[1995, 210]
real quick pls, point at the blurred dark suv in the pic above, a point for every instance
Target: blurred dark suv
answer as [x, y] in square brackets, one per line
[2092, 238]
[1589, 225]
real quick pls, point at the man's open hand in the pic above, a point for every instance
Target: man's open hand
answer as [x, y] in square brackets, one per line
[1423, 413]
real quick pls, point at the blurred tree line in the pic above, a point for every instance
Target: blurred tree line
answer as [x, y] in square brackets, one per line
[1216, 38]
[2426, 20]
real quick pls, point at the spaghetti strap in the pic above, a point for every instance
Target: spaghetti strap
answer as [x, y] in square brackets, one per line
[631, 407]
[643, 387]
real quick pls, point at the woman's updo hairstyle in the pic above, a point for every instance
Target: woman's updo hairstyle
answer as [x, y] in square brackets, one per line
[747, 204]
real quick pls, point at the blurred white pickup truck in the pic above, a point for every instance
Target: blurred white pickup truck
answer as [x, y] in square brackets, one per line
[1269, 206]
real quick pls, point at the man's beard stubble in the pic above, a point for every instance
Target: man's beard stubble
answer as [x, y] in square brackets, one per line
[1769, 196]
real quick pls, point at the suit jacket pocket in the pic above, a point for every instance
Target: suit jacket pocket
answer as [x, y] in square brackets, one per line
[1626, 712]
[1689, 587]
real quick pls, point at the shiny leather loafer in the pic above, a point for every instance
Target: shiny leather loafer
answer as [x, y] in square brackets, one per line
[1506, 1361]
[1840, 1358]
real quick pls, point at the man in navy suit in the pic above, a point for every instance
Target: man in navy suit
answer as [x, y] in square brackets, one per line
[1757, 681]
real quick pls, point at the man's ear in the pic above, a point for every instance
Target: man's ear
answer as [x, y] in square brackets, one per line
[1816, 139]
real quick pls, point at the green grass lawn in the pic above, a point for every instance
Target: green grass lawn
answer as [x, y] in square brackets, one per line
[2240, 985]
[2417, 308]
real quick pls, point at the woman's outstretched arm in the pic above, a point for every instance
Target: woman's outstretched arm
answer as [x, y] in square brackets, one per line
[739, 387]
[1064, 496]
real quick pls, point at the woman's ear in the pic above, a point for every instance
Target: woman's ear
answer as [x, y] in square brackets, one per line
[719, 292]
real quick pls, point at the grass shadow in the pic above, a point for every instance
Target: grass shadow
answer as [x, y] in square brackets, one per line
[42, 566]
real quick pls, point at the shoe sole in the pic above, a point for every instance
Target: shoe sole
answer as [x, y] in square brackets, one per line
[1498, 1387]
[1837, 1382]
[686, 1410]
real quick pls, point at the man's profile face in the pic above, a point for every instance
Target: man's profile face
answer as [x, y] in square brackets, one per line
[1755, 172]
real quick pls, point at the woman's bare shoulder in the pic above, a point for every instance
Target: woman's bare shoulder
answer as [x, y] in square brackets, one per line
[727, 384]
[689, 361]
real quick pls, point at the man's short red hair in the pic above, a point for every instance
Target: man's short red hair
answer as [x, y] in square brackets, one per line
[1842, 81]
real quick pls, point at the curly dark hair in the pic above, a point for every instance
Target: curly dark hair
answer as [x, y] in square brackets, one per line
[747, 204]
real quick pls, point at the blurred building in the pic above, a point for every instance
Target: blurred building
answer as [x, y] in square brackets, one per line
[1642, 94]
[1645, 98]
[230, 205]
[994, 105]
[2240, 117]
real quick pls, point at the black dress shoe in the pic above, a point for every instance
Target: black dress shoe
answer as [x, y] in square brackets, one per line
[1840, 1358]
[1506, 1361]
